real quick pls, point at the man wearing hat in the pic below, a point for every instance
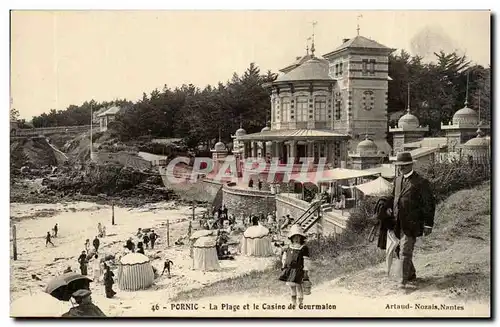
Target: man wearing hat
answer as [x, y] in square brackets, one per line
[414, 207]
[85, 307]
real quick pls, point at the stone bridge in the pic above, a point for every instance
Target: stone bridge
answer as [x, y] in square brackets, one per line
[45, 131]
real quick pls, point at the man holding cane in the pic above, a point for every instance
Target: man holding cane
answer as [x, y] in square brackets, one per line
[414, 207]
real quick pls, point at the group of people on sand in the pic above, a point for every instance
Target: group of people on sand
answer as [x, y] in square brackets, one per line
[146, 238]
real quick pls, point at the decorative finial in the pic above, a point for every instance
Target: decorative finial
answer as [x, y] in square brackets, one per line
[307, 45]
[408, 102]
[219, 135]
[479, 108]
[366, 136]
[241, 122]
[467, 91]
[312, 45]
[357, 18]
[479, 132]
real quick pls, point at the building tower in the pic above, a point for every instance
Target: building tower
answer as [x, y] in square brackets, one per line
[408, 129]
[360, 68]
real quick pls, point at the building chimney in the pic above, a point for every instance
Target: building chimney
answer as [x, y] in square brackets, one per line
[345, 40]
[297, 58]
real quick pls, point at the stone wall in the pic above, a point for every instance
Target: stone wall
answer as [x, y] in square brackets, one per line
[241, 201]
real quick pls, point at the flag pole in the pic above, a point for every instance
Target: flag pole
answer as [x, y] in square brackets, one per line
[91, 119]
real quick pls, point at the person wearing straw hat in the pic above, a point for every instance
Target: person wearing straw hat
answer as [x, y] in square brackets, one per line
[295, 263]
[414, 209]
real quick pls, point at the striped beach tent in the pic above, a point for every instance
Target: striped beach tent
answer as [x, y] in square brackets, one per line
[135, 272]
[256, 242]
[205, 255]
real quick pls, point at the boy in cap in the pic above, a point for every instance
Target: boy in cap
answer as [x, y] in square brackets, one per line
[85, 307]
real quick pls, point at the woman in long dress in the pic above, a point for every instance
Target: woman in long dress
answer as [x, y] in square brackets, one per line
[108, 282]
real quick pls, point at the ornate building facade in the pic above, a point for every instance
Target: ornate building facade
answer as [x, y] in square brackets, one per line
[323, 107]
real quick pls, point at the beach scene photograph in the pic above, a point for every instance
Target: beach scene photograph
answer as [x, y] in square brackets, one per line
[255, 164]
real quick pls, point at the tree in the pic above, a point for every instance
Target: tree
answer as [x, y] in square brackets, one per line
[14, 114]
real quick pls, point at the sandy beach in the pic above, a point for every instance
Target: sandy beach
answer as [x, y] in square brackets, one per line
[78, 221]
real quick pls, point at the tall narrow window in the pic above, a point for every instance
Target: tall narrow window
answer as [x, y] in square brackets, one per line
[285, 109]
[320, 108]
[302, 107]
[341, 69]
[372, 66]
[338, 107]
[365, 67]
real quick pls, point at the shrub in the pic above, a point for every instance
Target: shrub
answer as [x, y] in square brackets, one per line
[450, 177]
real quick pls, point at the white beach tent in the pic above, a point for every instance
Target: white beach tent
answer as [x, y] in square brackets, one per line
[376, 187]
[256, 242]
[196, 235]
[39, 304]
[205, 255]
[135, 272]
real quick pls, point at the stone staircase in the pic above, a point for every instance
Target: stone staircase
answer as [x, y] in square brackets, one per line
[326, 207]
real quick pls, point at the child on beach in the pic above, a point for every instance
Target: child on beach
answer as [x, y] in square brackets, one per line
[295, 264]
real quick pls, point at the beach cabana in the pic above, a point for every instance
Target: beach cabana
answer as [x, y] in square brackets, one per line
[196, 235]
[376, 187]
[205, 254]
[256, 242]
[135, 272]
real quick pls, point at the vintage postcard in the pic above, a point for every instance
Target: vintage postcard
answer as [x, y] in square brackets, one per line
[250, 164]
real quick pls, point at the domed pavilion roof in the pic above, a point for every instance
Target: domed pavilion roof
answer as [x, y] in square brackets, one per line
[478, 142]
[220, 147]
[240, 132]
[465, 115]
[367, 146]
[313, 69]
[408, 121]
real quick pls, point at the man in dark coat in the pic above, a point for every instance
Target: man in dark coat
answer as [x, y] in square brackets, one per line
[82, 260]
[85, 306]
[96, 244]
[153, 237]
[414, 209]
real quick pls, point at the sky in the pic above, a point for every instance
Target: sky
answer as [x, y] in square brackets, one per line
[59, 58]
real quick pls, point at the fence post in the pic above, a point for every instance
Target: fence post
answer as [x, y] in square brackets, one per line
[113, 213]
[194, 204]
[168, 233]
[14, 240]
